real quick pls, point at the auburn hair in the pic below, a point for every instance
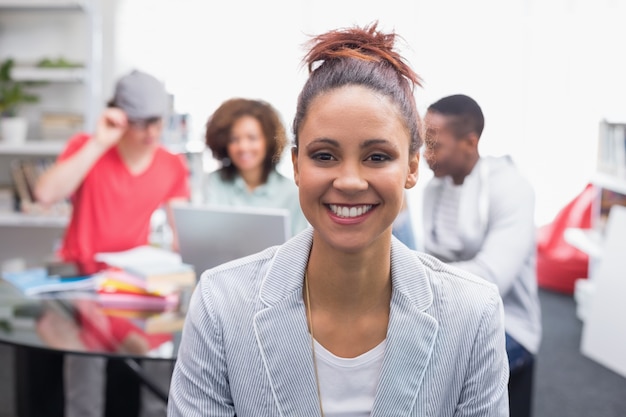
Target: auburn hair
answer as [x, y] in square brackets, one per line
[360, 56]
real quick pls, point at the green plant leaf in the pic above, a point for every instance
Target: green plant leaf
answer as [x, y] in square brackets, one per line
[13, 93]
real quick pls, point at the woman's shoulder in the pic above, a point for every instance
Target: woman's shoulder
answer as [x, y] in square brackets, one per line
[215, 179]
[214, 175]
[451, 283]
[239, 272]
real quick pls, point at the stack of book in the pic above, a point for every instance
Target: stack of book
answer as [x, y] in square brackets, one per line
[143, 279]
[122, 290]
[149, 308]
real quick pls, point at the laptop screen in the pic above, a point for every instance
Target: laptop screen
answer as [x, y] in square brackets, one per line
[212, 235]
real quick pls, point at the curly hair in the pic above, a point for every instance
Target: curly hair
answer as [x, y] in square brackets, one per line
[365, 57]
[218, 127]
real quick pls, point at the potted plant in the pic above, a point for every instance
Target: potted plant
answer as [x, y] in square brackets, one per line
[13, 94]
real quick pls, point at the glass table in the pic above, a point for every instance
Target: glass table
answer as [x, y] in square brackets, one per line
[78, 323]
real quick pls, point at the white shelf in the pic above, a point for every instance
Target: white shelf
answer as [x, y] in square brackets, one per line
[32, 147]
[49, 74]
[610, 182]
[21, 219]
[41, 4]
[585, 240]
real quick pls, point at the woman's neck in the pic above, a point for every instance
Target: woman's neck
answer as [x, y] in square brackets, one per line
[350, 282]
[252, 177]
[348, 298]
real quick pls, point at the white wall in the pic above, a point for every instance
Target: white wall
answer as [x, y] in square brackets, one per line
[544, 73]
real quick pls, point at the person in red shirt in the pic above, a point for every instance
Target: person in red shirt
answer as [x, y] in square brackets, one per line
[115, 179]
[118, 176]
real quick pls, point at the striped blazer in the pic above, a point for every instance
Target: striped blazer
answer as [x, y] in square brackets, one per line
[246, 349]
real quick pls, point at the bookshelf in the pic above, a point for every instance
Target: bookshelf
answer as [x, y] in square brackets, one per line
[610, 182]
[58, 44]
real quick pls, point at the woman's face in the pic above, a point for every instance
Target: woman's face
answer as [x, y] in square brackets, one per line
[247, 146]
[352, 167]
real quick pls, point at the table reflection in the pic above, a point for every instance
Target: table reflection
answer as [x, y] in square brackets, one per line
[83, 323]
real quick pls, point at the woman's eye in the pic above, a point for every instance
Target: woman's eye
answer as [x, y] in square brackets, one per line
[378, 157]
[322, 156]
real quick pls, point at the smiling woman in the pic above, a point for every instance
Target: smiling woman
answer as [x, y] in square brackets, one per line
[343, 319]
[345, 163]
[247, 137]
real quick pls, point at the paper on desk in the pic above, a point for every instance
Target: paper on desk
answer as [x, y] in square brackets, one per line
[37, 281]
[141, 255]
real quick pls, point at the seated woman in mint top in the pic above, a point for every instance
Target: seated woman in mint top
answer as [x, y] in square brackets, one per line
[248, 137]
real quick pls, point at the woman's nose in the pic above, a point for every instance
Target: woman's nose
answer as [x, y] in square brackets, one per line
[350, 179]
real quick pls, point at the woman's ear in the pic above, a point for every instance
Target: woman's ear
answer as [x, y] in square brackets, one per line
[413, 173]
[294, 161]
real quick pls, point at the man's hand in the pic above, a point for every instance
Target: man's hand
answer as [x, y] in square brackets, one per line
[110, 128]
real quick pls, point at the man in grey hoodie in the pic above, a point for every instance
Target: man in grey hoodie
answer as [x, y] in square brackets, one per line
[479, 216]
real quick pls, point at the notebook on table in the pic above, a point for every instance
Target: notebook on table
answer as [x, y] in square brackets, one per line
[212, 235]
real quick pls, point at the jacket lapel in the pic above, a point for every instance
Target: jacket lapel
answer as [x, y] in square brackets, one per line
[287, 353]
[410, 337]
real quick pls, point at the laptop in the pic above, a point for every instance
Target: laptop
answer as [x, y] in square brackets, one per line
[212, 235]
[30, 243]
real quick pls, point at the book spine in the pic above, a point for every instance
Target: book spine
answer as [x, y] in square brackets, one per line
[19, 180]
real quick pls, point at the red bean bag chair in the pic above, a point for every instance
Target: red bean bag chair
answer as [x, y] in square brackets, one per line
[559, 264]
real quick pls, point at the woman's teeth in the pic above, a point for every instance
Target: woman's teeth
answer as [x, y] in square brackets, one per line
[353, 211]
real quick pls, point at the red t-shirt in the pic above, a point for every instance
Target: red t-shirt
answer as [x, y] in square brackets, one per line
[111, 209]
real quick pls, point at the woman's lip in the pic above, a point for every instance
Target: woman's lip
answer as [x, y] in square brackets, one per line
[350, 212]
[350, 220]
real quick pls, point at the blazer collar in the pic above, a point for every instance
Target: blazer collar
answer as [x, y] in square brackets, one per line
[285, 343]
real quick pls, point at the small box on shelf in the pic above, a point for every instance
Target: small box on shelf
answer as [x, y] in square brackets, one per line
[60, 126]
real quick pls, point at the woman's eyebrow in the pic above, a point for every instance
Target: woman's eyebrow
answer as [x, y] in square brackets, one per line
[371, 142]
[328, 141]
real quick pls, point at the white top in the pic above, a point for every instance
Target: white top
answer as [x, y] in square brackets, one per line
[446, 214]
[348, 385]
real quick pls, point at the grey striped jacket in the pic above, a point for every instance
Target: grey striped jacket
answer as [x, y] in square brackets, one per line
[246, 349]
